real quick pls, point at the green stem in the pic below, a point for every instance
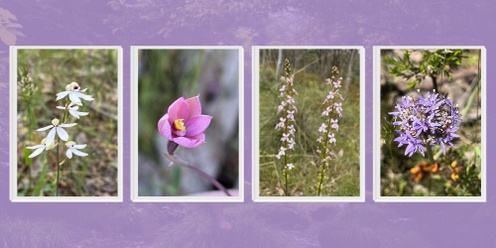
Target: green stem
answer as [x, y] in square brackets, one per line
[323, 153]
[58, 170]
[430, 154]
[64, 118]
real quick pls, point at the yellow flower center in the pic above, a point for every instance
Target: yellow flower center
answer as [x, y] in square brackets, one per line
[179, 124]
[55, 122]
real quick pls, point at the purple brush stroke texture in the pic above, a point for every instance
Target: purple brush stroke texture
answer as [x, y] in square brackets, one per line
[154, 22]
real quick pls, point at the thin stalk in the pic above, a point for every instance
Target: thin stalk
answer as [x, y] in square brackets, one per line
[58, 170]
[58, 148]
[180, 162]
[285, 169]
[323, 155]
[430, 154]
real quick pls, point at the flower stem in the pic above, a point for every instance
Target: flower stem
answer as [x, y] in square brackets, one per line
[180, 162]
[58, 171]
[430, 154]
[285, 169]
[64, 118]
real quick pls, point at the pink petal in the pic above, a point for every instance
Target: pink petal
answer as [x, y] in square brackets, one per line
[191, 142]
[194, 106]
[178, 110]
[197, 125]
[164, 127]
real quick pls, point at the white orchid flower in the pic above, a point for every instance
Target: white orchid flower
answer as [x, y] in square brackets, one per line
[74, 92]
[38, 149]
[73, 109]
[73, 148]
[56, 128]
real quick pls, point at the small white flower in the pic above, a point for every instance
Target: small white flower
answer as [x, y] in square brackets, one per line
[291, 129]
[281, 123]
[331, 138]
[335, 124]
[38, 149]
[339, 107]
[74, 92]
[323, 128]
[290, 166]
[56, 128]
[290, 115]
[330, 95]
[73, 148]
[73, 110]
[291, 144]
[281, 153]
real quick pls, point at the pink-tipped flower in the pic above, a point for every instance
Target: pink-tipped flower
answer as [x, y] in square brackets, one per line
[183, 124]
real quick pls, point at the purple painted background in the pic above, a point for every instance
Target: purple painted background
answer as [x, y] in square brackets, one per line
[247, 23]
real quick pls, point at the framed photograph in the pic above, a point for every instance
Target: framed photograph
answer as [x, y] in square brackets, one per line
[429, 124]
[308, 124]
[187, 124]
[66, 124]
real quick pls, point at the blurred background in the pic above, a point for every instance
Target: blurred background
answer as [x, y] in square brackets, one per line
[42, 73]
[166, 75]
[311, 68]
[455, 73]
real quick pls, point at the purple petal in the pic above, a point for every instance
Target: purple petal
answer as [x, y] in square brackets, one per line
[164, 127]
[421, 149]
[179, 110]
[191, 142]
[410, 149]
[442, 146]
[194, 106]
[197, 125]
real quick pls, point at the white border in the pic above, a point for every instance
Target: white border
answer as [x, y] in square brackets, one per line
[134, 127]
[13, 131]
[256, 130]
[377, 132]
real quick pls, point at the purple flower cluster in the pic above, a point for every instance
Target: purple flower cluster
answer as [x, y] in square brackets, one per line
[426, 121]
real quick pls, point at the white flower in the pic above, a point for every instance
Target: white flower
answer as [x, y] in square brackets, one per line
[74, 92]
[334, 124]
[331, 138]
[38, 149]
[281, 153]
[290, 166]
[323, 128]
[338, 107]
[72, 147]
[291, 144]
[330, 95]
[73, 110]
[56, 128]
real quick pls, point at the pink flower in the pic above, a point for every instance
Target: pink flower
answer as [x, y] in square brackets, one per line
[334, 124]
[183, 124]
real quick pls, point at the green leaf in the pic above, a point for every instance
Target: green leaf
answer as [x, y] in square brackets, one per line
[41, 181]
[477, 151]
[27, 160]
[412, 84]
